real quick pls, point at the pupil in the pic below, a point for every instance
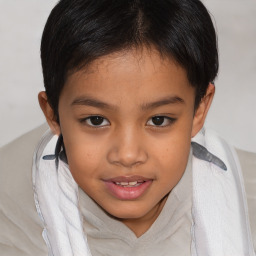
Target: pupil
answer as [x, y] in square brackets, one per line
[158, 120]
[96, 120]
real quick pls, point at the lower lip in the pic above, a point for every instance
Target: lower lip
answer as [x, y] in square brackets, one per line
[128, 193]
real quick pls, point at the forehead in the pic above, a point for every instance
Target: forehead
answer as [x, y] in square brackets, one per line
[141, 74]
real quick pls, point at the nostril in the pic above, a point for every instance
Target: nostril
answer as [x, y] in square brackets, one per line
[127, 150]
[127, 160]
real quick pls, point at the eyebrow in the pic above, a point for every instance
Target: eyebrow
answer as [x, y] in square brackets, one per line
[162, 102]
[88, 101]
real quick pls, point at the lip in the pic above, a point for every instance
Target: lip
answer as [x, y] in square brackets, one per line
[128, 193]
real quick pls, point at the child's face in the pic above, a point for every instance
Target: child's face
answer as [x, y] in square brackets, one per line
[128, 118]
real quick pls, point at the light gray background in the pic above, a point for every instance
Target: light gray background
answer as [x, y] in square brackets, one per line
[233, 113]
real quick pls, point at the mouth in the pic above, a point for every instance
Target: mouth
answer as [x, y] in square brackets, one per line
[128, 188]
[130, 184]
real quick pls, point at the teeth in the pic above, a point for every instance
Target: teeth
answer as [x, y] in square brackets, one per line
[132, 183]
[127, 184]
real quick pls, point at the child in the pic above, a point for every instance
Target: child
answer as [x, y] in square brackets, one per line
[128, 85]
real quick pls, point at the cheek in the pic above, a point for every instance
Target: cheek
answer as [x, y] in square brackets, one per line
[173, 169]
[84, 159]
[174, 147]
[173, 155]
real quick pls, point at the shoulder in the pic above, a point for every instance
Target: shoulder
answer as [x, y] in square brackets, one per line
[21, 230]
[248, 165]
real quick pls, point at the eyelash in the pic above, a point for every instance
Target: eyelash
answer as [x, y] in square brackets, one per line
[170, 121]
[85, 121]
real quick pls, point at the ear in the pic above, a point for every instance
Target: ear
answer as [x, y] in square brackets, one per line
[202, 110]
[48, 113]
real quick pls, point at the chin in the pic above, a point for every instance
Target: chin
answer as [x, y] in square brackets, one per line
[127, 212]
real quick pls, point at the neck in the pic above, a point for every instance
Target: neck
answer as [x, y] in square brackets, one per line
[141, 225]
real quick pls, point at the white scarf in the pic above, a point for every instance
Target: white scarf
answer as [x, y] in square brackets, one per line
[220, 215]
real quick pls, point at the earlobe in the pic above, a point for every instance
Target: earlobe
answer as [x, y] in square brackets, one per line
[202, 110]
[48, 113]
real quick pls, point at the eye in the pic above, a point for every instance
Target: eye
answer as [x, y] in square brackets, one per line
[161, 121]
[95, 121]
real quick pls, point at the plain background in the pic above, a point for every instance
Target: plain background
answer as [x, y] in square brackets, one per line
[233, 113]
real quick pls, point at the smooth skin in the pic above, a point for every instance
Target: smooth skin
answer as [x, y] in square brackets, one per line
[107, 114]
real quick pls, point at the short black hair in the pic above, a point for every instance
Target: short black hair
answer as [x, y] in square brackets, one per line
[78, 32]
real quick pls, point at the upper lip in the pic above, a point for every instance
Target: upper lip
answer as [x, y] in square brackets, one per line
[127, 179]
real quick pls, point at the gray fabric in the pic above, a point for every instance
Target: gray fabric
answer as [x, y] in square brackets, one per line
[248, 165]
[169, 234]
[20, 226]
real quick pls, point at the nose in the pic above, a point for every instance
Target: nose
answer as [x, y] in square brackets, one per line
[127, 149]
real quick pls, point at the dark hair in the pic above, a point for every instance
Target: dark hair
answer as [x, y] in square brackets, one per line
[79, 31]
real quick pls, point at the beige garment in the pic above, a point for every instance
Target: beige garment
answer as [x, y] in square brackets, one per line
[169, 234]
[248, 165]
[20, 226]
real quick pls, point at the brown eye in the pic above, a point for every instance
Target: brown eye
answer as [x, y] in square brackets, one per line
[96, 121]
[160, 121]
